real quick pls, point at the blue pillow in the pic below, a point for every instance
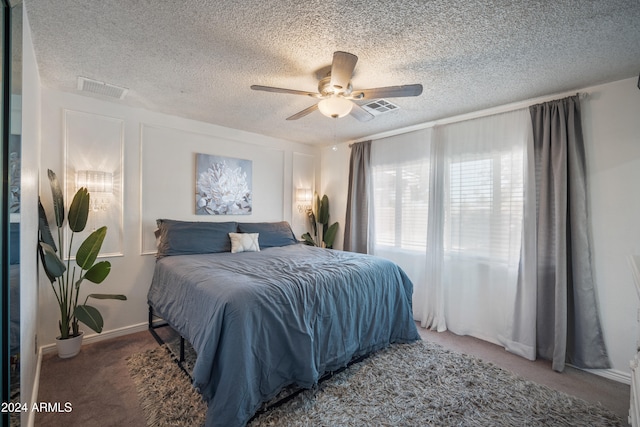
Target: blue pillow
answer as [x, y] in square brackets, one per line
[192, 237]
[271, 234]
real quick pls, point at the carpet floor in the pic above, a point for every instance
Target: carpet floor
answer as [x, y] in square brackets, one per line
[419, 384]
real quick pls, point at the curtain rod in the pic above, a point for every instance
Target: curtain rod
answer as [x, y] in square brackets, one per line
[473, 115]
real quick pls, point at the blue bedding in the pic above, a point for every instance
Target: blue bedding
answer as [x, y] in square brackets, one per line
[260, 321]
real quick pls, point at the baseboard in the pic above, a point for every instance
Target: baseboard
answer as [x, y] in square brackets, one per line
[31, 415]
[612, 374]
[91, 338]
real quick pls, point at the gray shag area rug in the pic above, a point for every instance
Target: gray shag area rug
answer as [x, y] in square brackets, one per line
[166, 395]
[418, 384]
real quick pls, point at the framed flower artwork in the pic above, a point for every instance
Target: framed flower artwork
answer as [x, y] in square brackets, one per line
[223, 185]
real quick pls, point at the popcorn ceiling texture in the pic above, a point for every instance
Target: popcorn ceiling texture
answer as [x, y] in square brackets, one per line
[198, 58]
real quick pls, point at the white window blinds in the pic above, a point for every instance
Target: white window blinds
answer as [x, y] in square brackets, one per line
[485, 194]
[401, 195]
[400, 174]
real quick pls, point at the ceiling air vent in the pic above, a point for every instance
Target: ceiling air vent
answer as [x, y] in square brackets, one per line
[101, 88]
[380, 106]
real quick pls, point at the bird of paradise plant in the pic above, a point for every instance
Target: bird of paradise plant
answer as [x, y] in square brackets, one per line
[328, 232]
[66, 279]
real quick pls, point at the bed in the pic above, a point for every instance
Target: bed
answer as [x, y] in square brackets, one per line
[266, 316]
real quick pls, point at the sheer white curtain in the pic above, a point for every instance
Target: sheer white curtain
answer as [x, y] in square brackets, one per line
[482, 211]
[400, 178]
[449, 206]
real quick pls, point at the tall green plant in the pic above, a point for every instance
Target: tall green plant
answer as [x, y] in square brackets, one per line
[66, 279]
[328, 232]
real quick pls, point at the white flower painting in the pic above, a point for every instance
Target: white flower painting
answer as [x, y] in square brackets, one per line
[223, 185]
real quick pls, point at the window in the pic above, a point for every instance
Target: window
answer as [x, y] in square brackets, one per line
[470, 205]
[484, 195]
[401, 203]
[463, 182]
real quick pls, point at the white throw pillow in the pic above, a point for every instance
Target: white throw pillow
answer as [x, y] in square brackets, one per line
[244, 242]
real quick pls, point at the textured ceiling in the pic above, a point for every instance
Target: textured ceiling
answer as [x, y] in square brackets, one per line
[198, 58]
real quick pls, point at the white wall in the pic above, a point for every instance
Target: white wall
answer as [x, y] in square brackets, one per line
[156, 143]
[334, 176]
[29, 216]
[611, 125]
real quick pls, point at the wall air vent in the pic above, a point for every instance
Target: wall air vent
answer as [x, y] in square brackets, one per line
[380, 106]
[101, 88]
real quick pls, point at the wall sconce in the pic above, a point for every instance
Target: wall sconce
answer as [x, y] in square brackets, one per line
[304, 197]
[100, 186]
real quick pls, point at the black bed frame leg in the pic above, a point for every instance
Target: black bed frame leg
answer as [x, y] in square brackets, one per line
[160, 340]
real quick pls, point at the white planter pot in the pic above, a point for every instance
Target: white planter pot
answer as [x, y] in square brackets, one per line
[69, 347]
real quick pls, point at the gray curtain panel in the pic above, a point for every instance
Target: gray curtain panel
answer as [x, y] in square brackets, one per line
[358, 226]
[568, 323]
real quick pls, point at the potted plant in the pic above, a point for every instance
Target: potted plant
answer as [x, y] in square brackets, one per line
[328, 232]
[66, 279]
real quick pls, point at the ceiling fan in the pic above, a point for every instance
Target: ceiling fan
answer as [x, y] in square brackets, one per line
[336, 93]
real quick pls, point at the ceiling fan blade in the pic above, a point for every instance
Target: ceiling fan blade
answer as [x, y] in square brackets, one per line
[304, 112]
[342, 70]
[281, 90]
[360, 113]
[387, 92]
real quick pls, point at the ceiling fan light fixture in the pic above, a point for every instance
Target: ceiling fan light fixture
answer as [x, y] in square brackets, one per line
[335, 107]
[336, 95]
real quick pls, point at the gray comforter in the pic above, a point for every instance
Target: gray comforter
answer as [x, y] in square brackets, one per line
[260, 321]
